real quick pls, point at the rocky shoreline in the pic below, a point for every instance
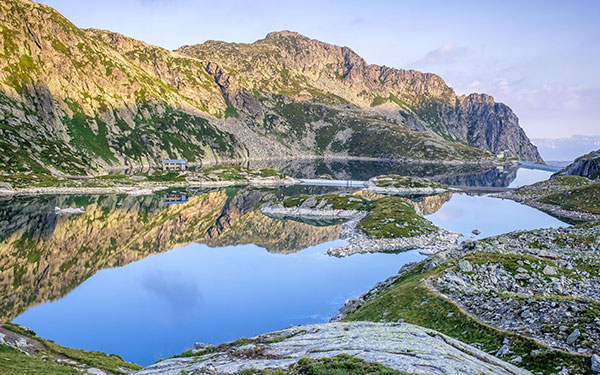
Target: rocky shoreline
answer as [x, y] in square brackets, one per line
[554, 210]
[360, 243]
[543, 284]
[146, 188]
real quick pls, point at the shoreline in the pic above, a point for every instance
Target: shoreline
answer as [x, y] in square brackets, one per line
[550, 209]
[361, 243]
[143, 188]
[308, 157]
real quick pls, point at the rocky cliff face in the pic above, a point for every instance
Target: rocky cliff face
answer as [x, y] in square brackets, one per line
[75, 101]
[305, 69]
[586, 166]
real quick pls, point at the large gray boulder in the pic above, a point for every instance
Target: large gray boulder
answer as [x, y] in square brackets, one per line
[403, 347]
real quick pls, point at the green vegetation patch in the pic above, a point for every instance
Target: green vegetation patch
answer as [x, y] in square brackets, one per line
[410, 300]
[554, 185]
[342, 364]
[397, 181]
[333, 201]
[166, 177]
[15, 362]
[394, 217]
[585, 198]
[84, 138]
[238, 173]
[43, 363]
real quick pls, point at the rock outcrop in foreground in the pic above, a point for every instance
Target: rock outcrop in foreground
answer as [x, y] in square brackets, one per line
[530, 297]
[399, 346]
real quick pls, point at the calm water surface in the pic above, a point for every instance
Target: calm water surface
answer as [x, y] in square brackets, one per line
[161, 305]
[176, 295]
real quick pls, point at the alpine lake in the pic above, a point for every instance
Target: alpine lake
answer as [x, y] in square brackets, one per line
[145, 277]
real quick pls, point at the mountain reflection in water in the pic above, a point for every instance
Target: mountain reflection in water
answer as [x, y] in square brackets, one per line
[44, 255]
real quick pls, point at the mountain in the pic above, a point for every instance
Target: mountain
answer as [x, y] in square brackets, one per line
[78, 101]
[566, 149]
[304, 69]
[587, 166]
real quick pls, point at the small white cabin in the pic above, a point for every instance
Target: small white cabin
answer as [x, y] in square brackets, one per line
[170, 165]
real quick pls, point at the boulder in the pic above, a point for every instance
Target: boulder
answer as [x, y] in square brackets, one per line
[573, 337]
[550, 270]
[596, 363]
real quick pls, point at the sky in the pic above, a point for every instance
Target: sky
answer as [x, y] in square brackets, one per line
[541, 58]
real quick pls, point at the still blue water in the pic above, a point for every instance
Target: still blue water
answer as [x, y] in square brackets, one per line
[491, 216]
[161, 305]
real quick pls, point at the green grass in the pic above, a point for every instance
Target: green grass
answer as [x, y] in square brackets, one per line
[166, 177]
[84, 138]
[14, 362]
[405, 181]
[585, 198]
[20, 363]
[268, 173]
[394, 217]
[554, 185]
[341, 364]
[336, 202]
[409, 299]
[230, 111]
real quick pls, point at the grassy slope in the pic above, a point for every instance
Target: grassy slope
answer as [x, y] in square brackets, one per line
[584, 198]
[393, 217]
[572, 193]
[42, 363]
[411, 300]
[388, 217]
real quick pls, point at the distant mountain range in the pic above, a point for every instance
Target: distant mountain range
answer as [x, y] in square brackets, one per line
[77, 101]
[566, 149]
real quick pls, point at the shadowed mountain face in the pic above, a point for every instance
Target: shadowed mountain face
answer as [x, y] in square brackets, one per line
[303, 69]
[78, 100]
[587, 165]
[44, 255]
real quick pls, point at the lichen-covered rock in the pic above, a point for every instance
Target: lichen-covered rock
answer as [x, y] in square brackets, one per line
[404, 347]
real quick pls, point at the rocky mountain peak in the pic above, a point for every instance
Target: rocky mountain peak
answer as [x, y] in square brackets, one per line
[285, 34]
[84, 100]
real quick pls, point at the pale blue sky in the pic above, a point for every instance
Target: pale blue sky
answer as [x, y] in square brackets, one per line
[539, 57]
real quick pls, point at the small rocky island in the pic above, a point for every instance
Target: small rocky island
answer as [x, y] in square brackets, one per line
[375, 223]
[150, 182]
[403, 185]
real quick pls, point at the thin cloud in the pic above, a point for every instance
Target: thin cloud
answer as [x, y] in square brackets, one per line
[446, 53]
